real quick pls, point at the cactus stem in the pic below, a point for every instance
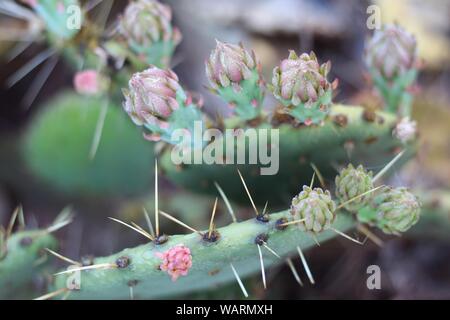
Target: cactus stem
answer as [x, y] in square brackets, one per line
[156, 199]
[263, 273]
[388, 166]
[138, 230]
[238, 279]
[227, 202]
[305, 265]
[211, 223]
[357, 197]
[52, 294]
[181, 223]
[73, 262]
[149, 222]
[294, 272]
[345, 236]
[248, 193]
[370, 235]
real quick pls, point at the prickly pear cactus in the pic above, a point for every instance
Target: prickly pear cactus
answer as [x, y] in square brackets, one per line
[23, 258]
[58, 143]
[349, 133]
[22, 253]
[210, 261]
[172, 265]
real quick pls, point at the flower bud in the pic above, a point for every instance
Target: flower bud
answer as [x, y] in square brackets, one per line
[176, 261]
[152, 96]
[146, 25]
[351, 183]
[89, 82]
[301, 85]
[397, 210]
[316, 207]
[392, 51]
[405, 130]
[234, 74]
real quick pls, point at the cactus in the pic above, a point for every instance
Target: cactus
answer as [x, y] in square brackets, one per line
[316, 136]
[22, 254]
[349, 133]
[57, 148]
[184, 263]
[210, 261]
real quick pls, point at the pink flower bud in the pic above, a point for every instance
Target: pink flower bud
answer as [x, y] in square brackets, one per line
[176, 261]
[300, 79]
[145, 22]
[87, 82]
[228, 64]
[151, 96]
[392, 51]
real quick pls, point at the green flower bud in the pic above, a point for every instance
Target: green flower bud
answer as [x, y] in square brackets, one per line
[394, 211]
[352, 182]
[316, 207]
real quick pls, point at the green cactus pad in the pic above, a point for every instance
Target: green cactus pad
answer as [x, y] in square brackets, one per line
[349, 135]
[23, 259]
[57, 148]
[210, 261]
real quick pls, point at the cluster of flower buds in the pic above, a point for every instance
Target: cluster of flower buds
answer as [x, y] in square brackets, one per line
[394, 211]
[350, 184]
[156, 100]
[391, 57]
[315, 207]
[176, 261]
[63, 18]
[301, 85]
[405, 130]
[235, 75]
[146, 26]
